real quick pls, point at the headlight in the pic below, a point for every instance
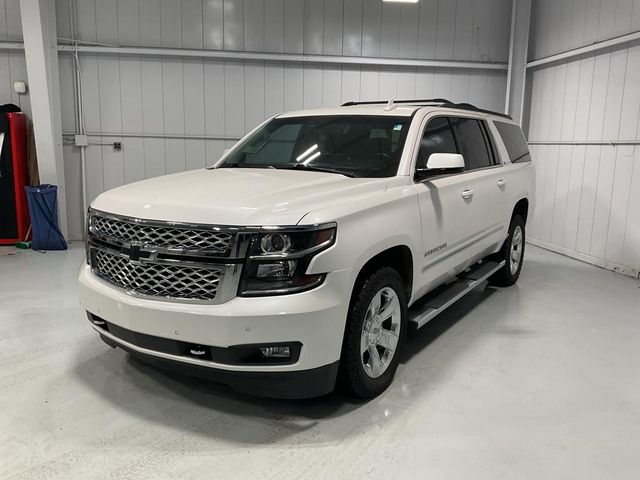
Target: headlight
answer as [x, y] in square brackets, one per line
[278, 260]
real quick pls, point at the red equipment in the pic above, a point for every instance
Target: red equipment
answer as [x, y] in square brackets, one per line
[14, 210]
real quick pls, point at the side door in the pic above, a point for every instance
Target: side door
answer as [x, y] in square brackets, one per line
[485, 184]
[446, 211]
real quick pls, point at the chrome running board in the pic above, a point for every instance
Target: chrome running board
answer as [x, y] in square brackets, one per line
[429, 306]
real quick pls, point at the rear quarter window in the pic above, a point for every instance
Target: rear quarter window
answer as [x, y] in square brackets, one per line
[514, 142]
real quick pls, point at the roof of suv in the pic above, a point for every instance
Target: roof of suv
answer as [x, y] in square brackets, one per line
[396, 108]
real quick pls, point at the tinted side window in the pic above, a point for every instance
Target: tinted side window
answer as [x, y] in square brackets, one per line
[514, 141]
[471, 141]
[437, 138]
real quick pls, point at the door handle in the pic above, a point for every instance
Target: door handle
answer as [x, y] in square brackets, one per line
[466, 194]
[501, 184]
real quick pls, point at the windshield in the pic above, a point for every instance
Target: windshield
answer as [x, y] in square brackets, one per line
[356, 146]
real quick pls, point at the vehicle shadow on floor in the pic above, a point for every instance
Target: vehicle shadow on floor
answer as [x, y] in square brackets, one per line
[201, 407]
[212, 410]
[418, 340]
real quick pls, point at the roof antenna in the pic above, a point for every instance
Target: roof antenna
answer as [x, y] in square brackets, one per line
[390, 105]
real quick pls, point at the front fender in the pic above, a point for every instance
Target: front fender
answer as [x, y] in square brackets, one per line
[370, 227]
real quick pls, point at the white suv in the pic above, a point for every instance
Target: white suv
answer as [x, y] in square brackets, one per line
[303, 256]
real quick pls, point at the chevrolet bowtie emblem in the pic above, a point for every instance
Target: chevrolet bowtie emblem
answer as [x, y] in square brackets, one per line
[137, 254]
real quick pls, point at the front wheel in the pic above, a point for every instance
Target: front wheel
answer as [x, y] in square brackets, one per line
[512, 253]
[374, 334]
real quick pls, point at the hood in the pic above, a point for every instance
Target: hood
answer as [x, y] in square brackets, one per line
[235, 196]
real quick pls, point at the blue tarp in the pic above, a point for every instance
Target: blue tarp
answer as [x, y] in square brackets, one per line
[43, 209]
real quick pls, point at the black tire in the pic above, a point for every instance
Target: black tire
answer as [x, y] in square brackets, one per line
[505, 277]
[353, 377]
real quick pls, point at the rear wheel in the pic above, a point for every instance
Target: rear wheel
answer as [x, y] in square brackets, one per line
[374, 334]
[512, 253]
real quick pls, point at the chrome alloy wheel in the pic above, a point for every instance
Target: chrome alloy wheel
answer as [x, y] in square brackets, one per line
[517, 244]
[380, 332]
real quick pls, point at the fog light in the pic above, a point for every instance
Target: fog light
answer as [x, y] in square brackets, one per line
[275, 352]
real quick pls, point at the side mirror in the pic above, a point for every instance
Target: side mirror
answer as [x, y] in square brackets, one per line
[445, 161]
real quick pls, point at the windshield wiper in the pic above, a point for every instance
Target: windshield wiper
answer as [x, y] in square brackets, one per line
[312, 168]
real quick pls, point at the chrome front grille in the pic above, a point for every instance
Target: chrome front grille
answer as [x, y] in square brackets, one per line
[158, 279]
[156, 234]
[166, 260]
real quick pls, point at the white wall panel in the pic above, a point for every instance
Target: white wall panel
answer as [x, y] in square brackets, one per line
[193, 93]
[233, 24]
[170, 23]
[214, 106]
[128, 22]
[352, 28]
[163, 96]
[331, 85]
[332, 27]
[234, 97]
[443, 29]
[371, 28]
[293, 26]
[254, 95]
[12, 64]
[274, 26]
[107, 21]
[150, 25]
[212, 22]
[587, 195]
[273, 89]
[254, 25]
[13, 68]
[191, 23]
[562, 25]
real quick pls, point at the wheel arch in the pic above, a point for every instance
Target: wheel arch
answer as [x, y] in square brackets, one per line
[398, 257]
[521, 208]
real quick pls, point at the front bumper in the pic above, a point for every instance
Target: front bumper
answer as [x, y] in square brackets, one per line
[315, 319]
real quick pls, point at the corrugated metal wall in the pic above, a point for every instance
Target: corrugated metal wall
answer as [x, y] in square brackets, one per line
[12, 64]
[143, 95]
[150, 95]
[588, 196]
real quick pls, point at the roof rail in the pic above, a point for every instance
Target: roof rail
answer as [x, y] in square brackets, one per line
[384, 102]
[440, 101]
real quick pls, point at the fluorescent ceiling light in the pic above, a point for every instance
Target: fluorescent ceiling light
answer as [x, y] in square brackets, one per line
[401, 1]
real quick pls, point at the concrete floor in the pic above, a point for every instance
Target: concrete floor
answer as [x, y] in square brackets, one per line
[541, 380]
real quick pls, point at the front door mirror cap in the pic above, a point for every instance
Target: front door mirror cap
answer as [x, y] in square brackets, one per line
[445, 161]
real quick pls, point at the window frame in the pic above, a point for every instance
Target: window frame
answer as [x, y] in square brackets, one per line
[486, 134]
[421, 136]
[487, 146]
[521, 158]
[402, 141]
